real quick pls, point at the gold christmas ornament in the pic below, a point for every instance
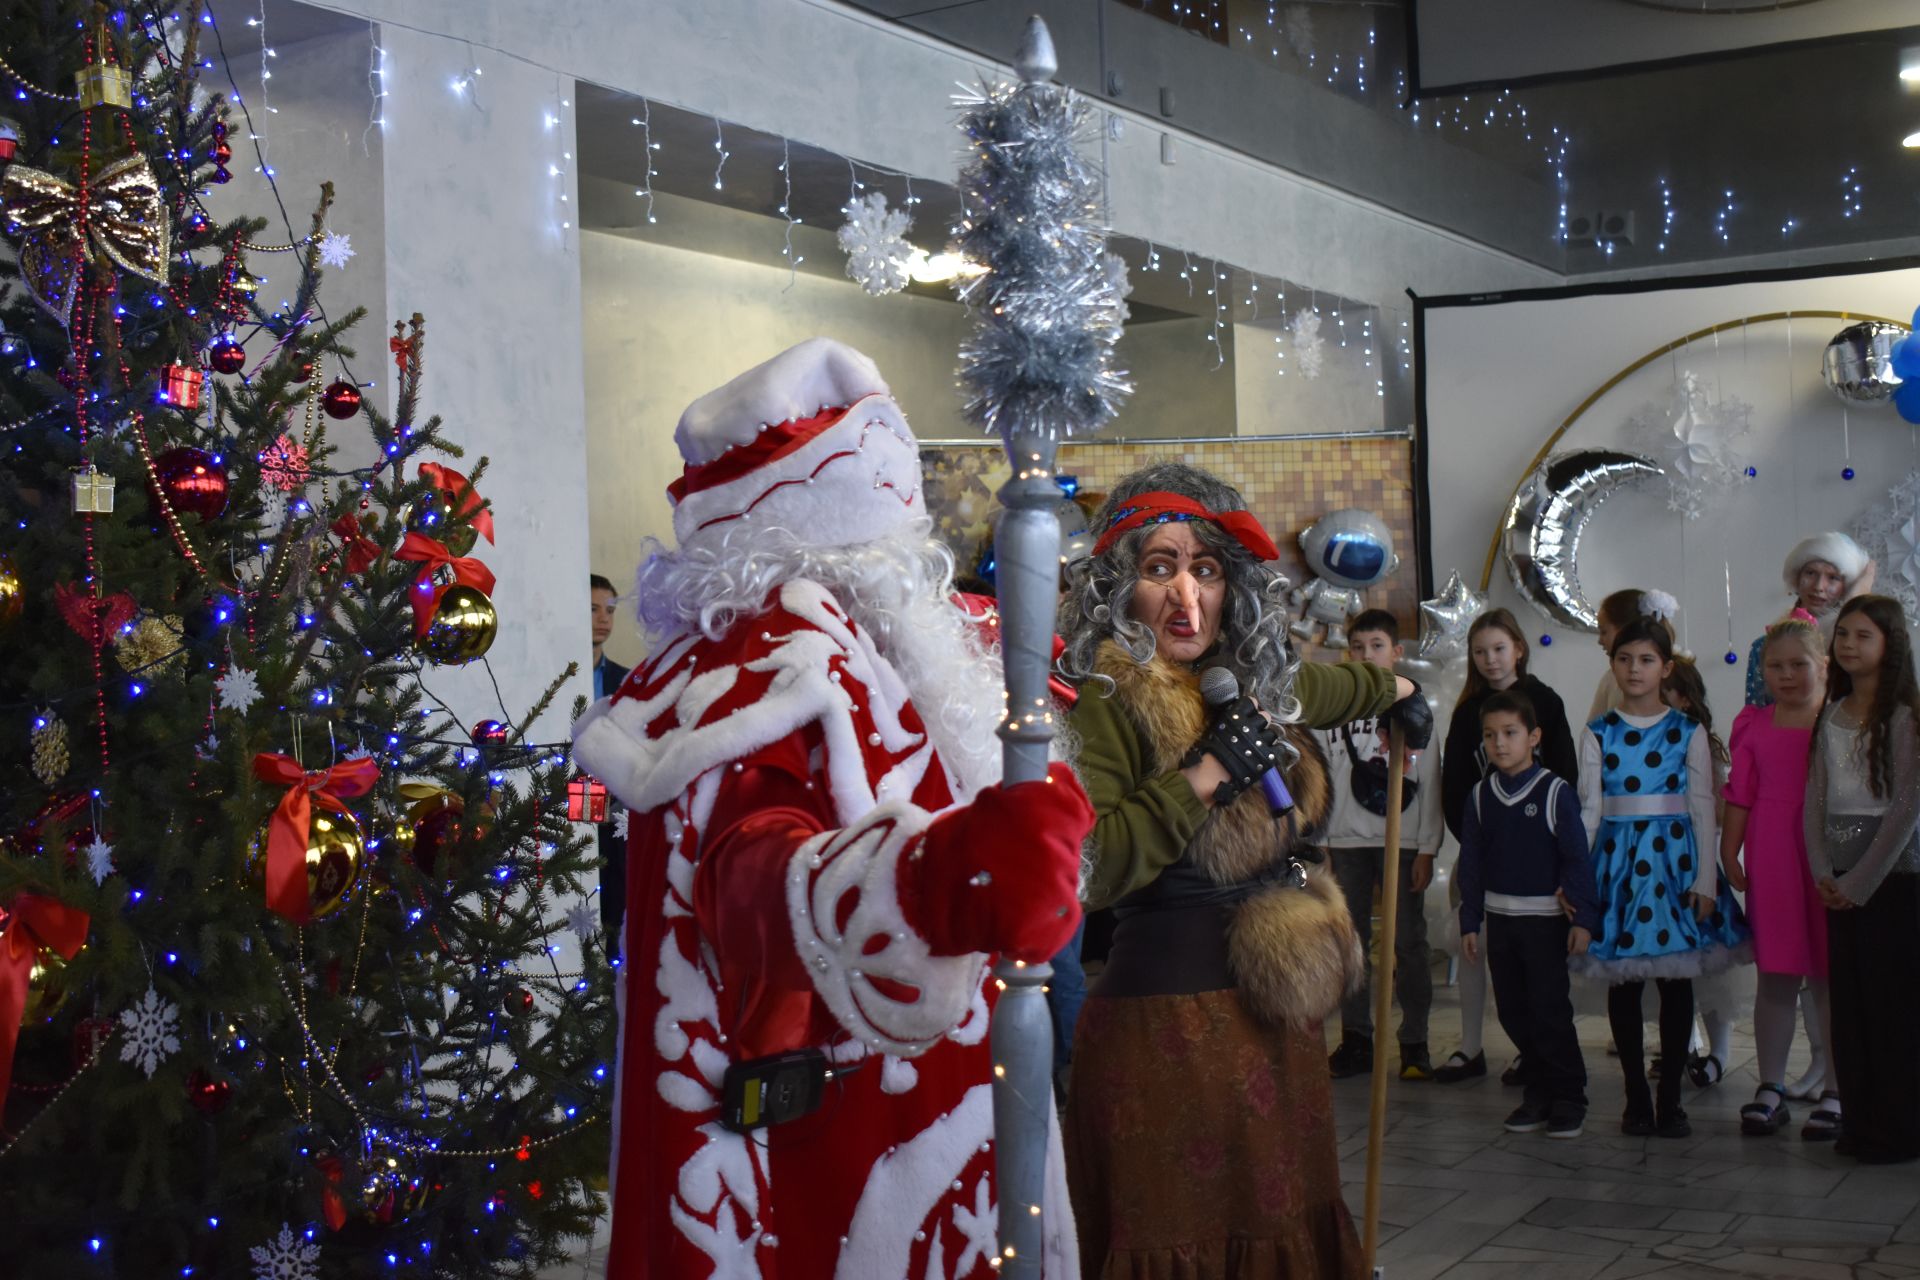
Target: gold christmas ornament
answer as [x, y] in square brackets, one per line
[50, 748]
[46, 986]
[335, 856]
[13, 594]
[245, 283]
[125, 225]
[92, 491]
[463, 627]
[153, 647]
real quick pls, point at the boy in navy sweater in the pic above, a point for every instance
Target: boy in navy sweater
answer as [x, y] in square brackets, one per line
[1524, 858]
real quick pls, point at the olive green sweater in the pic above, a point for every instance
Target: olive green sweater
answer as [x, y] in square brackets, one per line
[1144, 821]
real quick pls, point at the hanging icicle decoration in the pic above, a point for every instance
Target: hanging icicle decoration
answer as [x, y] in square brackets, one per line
[1040, 362]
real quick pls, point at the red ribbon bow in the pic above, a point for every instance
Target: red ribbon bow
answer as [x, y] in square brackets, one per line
[33, 922]
[361, 550]
[425, 595]
[287, 832]
[466, 502]
[1159, 507]
[80, 608]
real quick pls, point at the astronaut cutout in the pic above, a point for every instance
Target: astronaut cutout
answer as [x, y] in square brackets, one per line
[1347, 551]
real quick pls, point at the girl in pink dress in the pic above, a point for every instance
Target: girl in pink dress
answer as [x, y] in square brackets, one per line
[1765, 795]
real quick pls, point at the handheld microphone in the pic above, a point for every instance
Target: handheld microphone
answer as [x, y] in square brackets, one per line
[1219, 687]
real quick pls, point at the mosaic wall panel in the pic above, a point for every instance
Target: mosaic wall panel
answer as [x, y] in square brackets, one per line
[1287, 483]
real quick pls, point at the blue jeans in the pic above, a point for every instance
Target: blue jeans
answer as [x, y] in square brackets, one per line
[1066, 992]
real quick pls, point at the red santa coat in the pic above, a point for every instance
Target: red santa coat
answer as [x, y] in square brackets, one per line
[776, 778]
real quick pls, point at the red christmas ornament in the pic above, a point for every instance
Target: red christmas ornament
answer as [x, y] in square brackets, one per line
[436, 834]
[222, 152]
[490, 733]
[586, 800]
[192, 480]
[534, 1189]
[375, 1073]
[226, 355]
[88, 1035]
[525, 1151]
[519, 1001]
[180, 385]
[341, 400]
[209, 1095]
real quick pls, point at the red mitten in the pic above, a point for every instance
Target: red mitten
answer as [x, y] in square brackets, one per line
[1002, 875]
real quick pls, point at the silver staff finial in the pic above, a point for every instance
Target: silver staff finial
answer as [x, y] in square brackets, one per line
[1036, 62]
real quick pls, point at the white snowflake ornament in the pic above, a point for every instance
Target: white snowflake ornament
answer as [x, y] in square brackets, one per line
[1889, 531]
[238, 689]
[208, 748]
[1698, 438]
[335, 249]
[150, 1025]
[286, 1257]
[583, 920]
[874, 239]
[99, 860]
[1309, 348]
[621, 824]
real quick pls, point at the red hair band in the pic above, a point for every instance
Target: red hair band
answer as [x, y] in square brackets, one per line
[1160, 507]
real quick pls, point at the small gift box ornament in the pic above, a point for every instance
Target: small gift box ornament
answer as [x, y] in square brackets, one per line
[101, 84]
[181, 385]
[92, 491]
[586, 800]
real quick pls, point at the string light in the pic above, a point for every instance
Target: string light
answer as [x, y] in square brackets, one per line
[1723, 216]
[1666, 214]
[720, 148]
[786, 211]
[644, 122]
[1850, 191]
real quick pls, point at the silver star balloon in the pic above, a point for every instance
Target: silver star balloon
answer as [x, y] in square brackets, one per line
[1445, 618]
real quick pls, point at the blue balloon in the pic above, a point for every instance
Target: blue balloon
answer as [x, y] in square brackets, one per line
[1916, 318]
[1905, 357]
[1906, 399]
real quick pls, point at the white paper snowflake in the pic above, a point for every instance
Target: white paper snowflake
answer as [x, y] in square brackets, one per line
[100, 859]
[1309, 348]
[583, 919]
[1890, 532]
[209, 747]
[286, 1257]
[874, 239]
[150, 1025]
[335, 249]
[622, 823]
[1698, 438]
[238, 689]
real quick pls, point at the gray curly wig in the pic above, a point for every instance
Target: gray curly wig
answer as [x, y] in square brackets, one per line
[1253, 621]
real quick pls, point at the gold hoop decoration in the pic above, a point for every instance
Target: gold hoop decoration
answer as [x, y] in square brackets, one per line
[1499, 528]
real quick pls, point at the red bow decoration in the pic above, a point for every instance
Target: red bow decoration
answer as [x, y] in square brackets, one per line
[361, 550]
[33, 922]
[465, 501]
[1160, 507]
[333, 1210]
[425, 595]
[403, 349]
[79, 607]
[287, 832]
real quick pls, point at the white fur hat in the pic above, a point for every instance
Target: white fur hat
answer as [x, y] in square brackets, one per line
[810, 442]
[1833, 547]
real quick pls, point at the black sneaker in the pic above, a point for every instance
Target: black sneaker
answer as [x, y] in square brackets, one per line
[1674, 1124]
[1516, 1075]
[1414, 1062]
[1527, 1118]
[1459, 1066]
[1354, 1057]
[1566, 1120]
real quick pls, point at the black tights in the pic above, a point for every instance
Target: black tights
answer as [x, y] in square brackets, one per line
[1676, 1030]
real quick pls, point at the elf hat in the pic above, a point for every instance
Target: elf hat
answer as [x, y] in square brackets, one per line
[810, 443]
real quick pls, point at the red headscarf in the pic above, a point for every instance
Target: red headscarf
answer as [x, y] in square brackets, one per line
[1160, 507]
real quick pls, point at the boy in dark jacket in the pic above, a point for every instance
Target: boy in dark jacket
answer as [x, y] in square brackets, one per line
[1524, 857]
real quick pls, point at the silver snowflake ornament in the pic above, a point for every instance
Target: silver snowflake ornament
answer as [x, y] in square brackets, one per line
[1698, 438]
[874, 239]
[1309, 348]
[621, 824]
[238, 689]
[335, 249]
[286, 1257]
[150, 1025]
[583, 920]
[99, 860]
[209, 748]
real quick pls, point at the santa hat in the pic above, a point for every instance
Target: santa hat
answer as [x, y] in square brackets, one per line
[1833, 547]
[810, 443]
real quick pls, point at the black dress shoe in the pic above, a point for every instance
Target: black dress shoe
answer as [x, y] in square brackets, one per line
[1460, 1067]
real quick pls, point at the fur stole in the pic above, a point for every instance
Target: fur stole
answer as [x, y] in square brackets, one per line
[1294, 952]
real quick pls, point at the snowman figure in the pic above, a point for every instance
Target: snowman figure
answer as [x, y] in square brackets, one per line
[1347, 551]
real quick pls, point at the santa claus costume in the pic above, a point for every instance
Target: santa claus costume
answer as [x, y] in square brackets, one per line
[820, 856]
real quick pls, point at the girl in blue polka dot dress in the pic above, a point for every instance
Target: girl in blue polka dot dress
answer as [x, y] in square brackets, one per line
[1646, 794]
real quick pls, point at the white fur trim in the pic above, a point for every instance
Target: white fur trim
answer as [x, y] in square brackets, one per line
[863, 859]
[1834, 547]
[798, 383]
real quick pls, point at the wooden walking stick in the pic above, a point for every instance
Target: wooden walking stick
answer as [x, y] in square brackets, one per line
[1383, 984]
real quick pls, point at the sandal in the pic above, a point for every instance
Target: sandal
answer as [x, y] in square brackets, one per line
[1759, 1119]
[1823, 1122]
[1704, 1072]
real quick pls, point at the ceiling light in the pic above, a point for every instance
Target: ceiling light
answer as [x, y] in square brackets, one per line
[1910, 65]
[939, 268]
[1911, 140]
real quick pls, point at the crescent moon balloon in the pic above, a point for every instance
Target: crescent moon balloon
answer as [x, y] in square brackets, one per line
[1549, 513]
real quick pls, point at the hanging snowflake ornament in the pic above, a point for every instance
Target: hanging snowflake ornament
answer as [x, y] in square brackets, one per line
[150, 1025]
[1889, 531]
[335, 249]
[1698, 438]
[584, 920]
[1309, 348]
[99, 860]
[286, 1257]
[208, 748]
[283, 464]
[51, 754]
[238, 689]
[874, 238]
[620, 824]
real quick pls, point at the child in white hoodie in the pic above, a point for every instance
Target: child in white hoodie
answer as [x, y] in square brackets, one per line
[1356, 838]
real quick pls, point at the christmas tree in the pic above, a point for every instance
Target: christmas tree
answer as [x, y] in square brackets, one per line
[281, 988]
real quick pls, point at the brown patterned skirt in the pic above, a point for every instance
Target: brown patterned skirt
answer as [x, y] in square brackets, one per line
[1200, 1145]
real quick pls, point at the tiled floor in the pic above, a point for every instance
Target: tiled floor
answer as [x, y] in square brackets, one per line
[1464, 1200]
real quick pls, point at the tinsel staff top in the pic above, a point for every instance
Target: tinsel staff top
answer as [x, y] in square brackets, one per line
[1049, 307]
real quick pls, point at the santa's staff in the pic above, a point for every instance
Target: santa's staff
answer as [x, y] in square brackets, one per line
[1039, 367]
